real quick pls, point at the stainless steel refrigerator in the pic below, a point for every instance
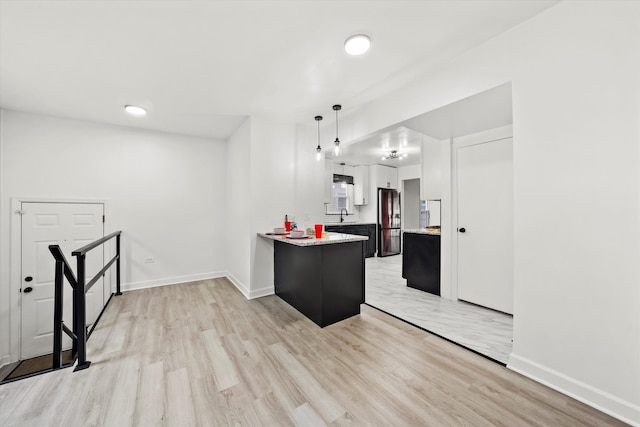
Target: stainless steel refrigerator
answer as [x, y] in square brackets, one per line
[388, 222]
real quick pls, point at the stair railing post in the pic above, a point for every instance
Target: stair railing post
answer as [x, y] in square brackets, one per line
[57, 315]
[118, 292]
[80, 321]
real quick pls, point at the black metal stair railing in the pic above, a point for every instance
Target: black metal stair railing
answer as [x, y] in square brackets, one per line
[78, 334]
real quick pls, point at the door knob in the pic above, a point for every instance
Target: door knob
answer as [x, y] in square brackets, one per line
[27, 289]
[462, 230]
[28, 279]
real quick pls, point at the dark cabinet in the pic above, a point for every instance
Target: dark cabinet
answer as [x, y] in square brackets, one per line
[359, 230]
[371, 243]
[421, 261]
[323, 282]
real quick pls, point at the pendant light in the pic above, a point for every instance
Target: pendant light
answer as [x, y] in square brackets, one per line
[336, 143]
[318, 148]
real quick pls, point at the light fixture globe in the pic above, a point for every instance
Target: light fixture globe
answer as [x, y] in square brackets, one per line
[394, 155]
[357, 44]
[336, 148]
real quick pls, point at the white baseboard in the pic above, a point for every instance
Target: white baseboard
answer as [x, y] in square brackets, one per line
[263, 292]
[238, 284]
[248, 294]
[612, 405]
[171, 281]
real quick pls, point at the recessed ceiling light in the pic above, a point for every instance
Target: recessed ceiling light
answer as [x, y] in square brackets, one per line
[135, 111]
[357, 45]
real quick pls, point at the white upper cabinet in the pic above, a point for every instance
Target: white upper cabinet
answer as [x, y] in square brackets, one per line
[361, 182]
[385, 176]
[340, 169]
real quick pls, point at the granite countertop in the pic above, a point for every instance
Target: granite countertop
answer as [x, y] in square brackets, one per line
[330, 238]
[434, 232]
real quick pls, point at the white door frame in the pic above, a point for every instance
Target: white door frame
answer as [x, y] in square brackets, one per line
[15, 282]
[466, 141]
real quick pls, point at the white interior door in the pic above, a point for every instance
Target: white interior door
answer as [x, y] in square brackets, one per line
[485, 224]
[70, 225]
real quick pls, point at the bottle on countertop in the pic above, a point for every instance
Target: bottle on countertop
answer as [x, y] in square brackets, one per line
[292, 220]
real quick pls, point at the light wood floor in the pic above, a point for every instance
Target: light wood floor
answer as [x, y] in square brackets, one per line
[200, 354]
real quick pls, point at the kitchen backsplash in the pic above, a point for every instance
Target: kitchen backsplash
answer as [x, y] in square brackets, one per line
[335, 219]
[303, 221]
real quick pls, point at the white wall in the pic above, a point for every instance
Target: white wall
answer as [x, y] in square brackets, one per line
[163, 191]
[409, 172]
[432, 168]
[574, 71]
[410, 198]
[447, 227]
[261, 190]
[576, 141]
[409, 186]
[273, 183]
[237, 208]
[309, 178]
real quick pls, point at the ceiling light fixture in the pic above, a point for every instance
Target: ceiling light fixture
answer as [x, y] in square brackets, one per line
[336, 143]
[357, 44]
[318, 148]
[135, 111]
[393, 154]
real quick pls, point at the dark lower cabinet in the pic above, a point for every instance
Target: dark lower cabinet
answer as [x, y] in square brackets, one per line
[421, 261]
[371, 243]
[359, 230]
[323, 282]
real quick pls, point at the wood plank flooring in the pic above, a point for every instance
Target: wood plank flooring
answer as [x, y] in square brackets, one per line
[200, 354]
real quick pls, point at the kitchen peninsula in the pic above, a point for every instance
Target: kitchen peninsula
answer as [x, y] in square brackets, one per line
[322, 278]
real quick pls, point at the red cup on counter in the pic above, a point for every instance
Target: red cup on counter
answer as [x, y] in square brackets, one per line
[287, 225]
[318, 231]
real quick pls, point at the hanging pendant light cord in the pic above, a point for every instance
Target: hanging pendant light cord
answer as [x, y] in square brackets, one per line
[337, 126]
[318, 118]
[337, 108]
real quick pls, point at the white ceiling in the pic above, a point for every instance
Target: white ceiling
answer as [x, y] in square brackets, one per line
[202, 67]
[486, 110]
[370, 150]
[490, 109]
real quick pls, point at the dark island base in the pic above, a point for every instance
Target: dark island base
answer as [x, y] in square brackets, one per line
[421, 262]
[323, 282]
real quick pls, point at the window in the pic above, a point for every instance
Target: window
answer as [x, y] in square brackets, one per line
[342, 197]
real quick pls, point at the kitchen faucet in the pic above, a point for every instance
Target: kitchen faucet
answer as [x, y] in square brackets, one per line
[345, 211]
